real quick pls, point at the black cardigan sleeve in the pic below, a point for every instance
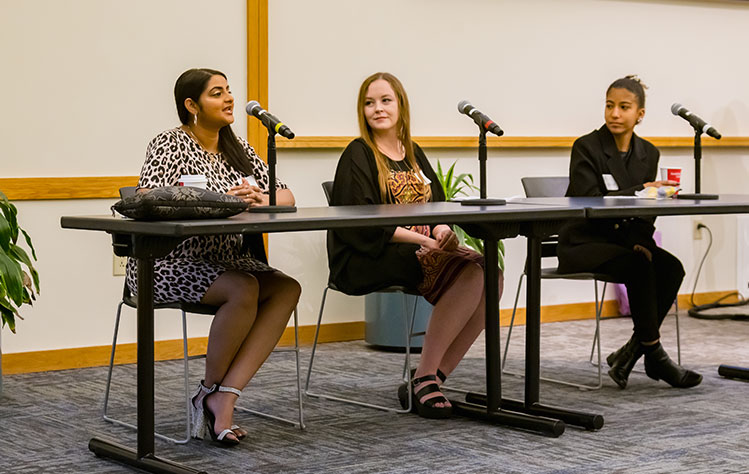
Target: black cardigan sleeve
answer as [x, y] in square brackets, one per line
[356, 184]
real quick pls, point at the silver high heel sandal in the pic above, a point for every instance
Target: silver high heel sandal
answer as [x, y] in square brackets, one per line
[197, 420]
[210, 421]
[238, 393]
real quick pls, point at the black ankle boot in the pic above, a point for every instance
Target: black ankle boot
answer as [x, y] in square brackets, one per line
[623, 360]
[659, 366]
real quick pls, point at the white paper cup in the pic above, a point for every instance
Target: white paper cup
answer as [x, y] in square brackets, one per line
[194, 180]
[671, 173]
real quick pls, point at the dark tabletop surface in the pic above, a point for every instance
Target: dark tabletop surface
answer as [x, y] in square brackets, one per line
[600, 207]
[320, 218]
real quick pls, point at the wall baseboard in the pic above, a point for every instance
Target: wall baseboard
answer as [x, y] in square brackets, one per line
[96, 356]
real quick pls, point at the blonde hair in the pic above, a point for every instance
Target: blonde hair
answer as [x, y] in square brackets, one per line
[403, 129]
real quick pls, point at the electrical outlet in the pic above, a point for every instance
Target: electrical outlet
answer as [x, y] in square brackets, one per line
[697, 225]
[118, 265]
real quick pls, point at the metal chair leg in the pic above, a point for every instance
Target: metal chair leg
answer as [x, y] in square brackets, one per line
[188, 401]
[300, 423]
[409, 335]
[111, 363]
[512, 322]
[109, 380]
[309, 393]
[678, 334]
[596, 342]
[314, 342]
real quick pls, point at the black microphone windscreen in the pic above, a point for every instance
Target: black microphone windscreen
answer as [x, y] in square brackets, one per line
[676, 108]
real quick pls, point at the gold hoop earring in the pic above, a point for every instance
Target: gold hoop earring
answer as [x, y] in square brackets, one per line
[195, 121]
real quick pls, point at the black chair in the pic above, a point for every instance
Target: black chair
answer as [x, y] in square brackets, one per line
[194, 308]
[408, 331]
[556, 186]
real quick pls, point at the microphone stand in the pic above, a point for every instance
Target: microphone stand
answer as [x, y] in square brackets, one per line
[697, 171]
[272, 207]
[483, 200]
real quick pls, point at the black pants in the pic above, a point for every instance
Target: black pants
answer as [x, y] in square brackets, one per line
[651, 287]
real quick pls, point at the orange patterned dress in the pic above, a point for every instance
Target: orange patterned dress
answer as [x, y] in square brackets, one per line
[440, 267]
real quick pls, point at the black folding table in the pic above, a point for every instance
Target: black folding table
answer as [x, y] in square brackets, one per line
[146, 241]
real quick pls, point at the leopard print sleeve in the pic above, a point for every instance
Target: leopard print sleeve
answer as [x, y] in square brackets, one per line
[163, 161]
[260, 169]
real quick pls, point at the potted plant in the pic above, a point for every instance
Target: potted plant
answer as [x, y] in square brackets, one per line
[16, 286]
[455, 186]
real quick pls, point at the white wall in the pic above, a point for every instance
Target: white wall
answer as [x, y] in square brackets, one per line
[89, 82]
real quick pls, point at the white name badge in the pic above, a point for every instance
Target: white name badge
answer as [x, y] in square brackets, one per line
[424, 177]
[610, 183]
[250, 179]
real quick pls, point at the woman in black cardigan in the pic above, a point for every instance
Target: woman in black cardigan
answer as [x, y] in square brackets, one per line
[384, 166]
[613, 160]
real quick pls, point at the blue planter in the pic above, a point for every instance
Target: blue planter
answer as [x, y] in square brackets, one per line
[385, 321]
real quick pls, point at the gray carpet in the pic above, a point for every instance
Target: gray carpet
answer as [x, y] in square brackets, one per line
[48, 418]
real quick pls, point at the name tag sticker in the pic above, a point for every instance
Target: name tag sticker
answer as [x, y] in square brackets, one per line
[610, 183]
[250, 179]
[424, 177]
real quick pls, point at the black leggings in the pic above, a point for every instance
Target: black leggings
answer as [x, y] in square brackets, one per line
[651, 287]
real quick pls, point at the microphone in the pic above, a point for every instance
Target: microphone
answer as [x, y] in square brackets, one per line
[270, 121]
[465, 107]
[694, 121]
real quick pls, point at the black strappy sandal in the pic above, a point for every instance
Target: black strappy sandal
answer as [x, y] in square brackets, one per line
[403, 390]
[427, 409]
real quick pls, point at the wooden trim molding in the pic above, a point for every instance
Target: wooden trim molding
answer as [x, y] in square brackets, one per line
[97, 356]
[62, 359]
[100, 187]
[94, 187]
[257, 70]
[509, 142]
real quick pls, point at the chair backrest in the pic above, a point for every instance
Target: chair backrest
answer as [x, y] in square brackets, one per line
[550, 186]
[127, 191]
[327, 187]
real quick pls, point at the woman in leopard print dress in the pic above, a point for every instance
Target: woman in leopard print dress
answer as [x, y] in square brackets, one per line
[254, 300]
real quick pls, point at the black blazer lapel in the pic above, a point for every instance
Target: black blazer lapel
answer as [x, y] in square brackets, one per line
[637, 168]
[614, 161]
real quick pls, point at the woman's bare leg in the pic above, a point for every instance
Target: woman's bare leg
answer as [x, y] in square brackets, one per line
[468, 335]
[253, 312]
[450, 316]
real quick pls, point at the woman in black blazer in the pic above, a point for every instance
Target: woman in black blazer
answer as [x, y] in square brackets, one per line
[613, 160]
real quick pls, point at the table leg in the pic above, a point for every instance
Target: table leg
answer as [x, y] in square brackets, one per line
[533, 348]
[734, 372]
[144, 458]
[492, 407]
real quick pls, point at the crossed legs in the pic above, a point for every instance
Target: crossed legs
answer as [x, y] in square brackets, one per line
[252, 315]
[457, 320]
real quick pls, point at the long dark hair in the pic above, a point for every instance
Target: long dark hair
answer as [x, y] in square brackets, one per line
[191, 84]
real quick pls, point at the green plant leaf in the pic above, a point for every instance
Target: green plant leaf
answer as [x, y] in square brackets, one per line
[11, 276]
[5, 233]
[22, 256]
[28, 242]
[10, 212]
[8, 315]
